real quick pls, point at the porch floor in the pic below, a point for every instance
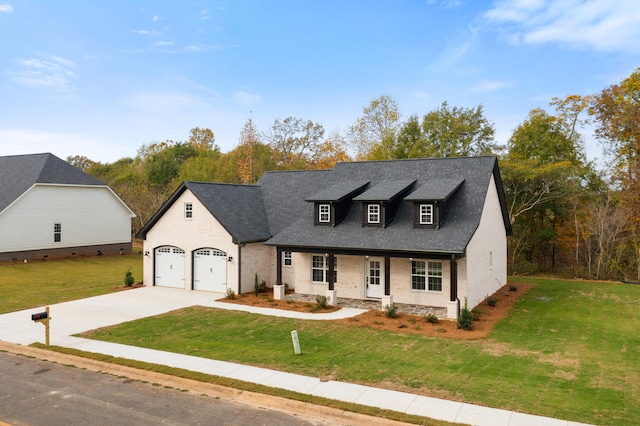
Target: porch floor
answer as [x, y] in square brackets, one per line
[370, 304]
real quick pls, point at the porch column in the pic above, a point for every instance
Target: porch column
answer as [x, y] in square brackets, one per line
[278, 289]
[332, 296]
[387, 299]
[453, 306]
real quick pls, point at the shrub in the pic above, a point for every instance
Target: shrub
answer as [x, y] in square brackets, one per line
[402, 326]
[492, 301]
[465, 321]
[230, 294]
[286, 288]
[476, 313]
[513, 287]
[321, 302]
[262, 287]
[391, 311]
[128, 278]
[255, 284]
[431, 318]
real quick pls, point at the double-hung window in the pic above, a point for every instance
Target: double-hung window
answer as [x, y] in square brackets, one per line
[57, 232]
[320, 269]
[434, 276]
[324, 213]
[426, 275]
[426, 214]
[373, 215]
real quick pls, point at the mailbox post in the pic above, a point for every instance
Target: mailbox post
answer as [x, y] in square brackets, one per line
[43, 317]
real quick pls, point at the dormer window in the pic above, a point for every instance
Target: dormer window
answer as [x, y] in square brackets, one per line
[324, 213]
[373, 216]
[426, 214]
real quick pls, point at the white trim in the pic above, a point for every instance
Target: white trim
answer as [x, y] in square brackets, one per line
[428, 215]
[373, 216]
[321, 213]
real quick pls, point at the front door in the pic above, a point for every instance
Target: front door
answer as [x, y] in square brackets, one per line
[375, 277]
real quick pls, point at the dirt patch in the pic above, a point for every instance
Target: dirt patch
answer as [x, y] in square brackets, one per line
[404, 323]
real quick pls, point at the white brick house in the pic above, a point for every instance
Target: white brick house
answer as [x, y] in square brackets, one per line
[426, 231]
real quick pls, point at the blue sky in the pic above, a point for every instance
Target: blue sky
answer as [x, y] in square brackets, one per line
[100, 79]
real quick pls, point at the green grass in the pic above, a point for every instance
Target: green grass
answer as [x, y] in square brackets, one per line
[28, 285]
[569, 350]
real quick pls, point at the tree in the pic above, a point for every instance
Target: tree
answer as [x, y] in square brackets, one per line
[80, 161]
[456, 132]
[331, 151]
[163, 166]
[246, 160]
[380, 121]
[202, 140]
[294, 141]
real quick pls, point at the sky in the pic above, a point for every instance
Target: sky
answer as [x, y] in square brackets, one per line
[101, 79]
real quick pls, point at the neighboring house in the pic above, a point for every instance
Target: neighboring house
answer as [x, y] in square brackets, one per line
[430, 232]
[49, 208]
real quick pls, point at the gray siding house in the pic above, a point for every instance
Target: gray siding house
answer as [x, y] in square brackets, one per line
[429, 232]
[48, 208]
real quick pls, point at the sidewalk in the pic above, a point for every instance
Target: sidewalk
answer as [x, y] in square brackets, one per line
[82, 315]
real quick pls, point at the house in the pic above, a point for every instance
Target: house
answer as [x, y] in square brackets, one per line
[49, 208]
[422, 231]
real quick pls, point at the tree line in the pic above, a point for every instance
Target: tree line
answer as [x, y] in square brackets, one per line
[568, 217]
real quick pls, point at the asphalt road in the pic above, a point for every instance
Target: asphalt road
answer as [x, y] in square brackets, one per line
[36, 392]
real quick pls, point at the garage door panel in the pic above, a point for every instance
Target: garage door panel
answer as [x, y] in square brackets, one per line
[210, 270]
[169, 267]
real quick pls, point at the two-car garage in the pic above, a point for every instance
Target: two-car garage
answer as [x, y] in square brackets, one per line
[209, 268]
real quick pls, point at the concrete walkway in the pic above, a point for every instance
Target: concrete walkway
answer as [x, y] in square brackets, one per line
[87, 314]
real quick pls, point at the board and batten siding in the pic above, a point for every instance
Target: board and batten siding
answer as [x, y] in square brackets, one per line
[88, 215]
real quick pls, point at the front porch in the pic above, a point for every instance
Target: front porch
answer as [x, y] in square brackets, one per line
[343, 302]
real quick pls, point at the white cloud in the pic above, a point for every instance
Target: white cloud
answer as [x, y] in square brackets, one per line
[601, 25]
[51, 72]
[490, 86]
[246, 98]
[28, 141]
[6, 8]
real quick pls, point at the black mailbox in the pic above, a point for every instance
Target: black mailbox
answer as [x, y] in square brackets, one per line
[39, 316]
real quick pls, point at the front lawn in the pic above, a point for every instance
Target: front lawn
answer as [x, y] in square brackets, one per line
[569, 350]
[32, 284]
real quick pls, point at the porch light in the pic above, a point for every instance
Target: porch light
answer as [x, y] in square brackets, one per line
[229, 259]
[146, 252]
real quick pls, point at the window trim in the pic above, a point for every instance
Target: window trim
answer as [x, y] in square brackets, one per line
[188, 211]
[287, 259]
[426, 218]
[430, 274]
[417, 273]
[57, 232]
[373, 214]
[324, 216]
[324, 268]
[435, 274]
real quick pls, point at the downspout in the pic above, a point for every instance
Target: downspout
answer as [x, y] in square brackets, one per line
[240, 268]
[453, 296]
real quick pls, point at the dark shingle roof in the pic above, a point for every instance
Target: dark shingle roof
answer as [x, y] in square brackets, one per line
[338, 191]
[463, 216]
[435, 189]
[18, 173]
[386, 190]
[238, 208]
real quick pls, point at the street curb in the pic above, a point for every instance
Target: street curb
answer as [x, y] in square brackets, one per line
[304, 410]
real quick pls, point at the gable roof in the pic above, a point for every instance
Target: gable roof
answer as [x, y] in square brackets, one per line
[386, 190]
[238, 208]
[471, 177]
[18, 173]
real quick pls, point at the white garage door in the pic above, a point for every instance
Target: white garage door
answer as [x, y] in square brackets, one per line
[169, 267]
[210, 270]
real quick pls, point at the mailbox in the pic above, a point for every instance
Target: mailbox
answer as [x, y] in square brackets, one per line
[39, 316]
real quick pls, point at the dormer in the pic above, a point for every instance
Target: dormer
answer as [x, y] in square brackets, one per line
[331, 205]
[431, 202]
[381, 202]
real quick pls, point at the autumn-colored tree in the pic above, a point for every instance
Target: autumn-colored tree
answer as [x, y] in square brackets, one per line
[80, 161]
[331, 151]
[246, 159]
[202, 139]
[294, 141]
[379, 122]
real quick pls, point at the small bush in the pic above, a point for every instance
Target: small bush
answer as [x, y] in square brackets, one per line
[230, 294]
[492, 301]
[391, 311]
[128, 278]
[513, 287]
[476, 313]
[465, 320]
[412, 320]
[431, 318]
[321, 302]
[402, 326]
[286, 288]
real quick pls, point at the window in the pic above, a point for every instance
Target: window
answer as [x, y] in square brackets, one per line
[434, 274]
[426, 214]
[57, 232]
[373, 213]
[418, 276]
[320, 269]
[286, 258]
[188, 210]
[324, 214]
